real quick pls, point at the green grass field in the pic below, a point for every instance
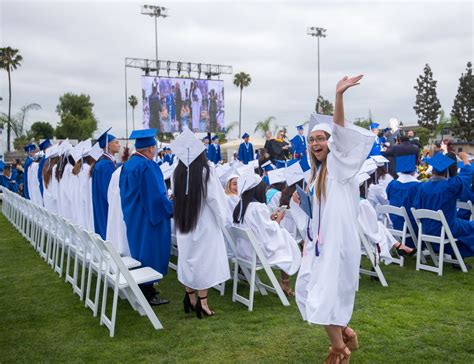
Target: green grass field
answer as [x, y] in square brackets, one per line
[419, 318]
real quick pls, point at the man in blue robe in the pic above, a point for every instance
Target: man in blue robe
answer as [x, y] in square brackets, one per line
[377, 147]
[30, 150]
[299, 144]
[101, 175]
[169, 156]
[147, 210]
[245, 154]
[43, 146]
[402, 192]
[441, 193]
[214, 151]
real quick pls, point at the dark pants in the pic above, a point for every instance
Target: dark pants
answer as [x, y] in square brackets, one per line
[148, 291]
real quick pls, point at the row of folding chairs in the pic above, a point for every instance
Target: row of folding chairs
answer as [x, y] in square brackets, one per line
[425, 242]
[91, 265]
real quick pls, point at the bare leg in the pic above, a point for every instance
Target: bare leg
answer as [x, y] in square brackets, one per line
[285, 284]
[191, 295]
[335, 335]
[203, 293]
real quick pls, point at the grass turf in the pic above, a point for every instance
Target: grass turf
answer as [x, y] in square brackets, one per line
[419, 318]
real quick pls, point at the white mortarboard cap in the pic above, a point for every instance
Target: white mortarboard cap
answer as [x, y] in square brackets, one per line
[293, 173]
[221, 169]
[167, 170]
[76, 152]
[95, 152]
[369, 166]
[320, 122]
[253, 163]
[187, 147]
[247, 181]
[229, 177]
[380, 160]
[246, 168]
[86, 146]
[362, 177]
[276, 176]
[64, 147]
[52, 151]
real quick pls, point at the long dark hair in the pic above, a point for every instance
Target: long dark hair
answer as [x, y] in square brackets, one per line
[63, 161]
[288, 192]
[187, 207]
[256, 194]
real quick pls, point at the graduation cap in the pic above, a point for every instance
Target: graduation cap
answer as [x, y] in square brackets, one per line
[268, 166]
[248, 181]
[187, 148]
[29, 148]
[374, 126]
[215, 137]
[362, 177]
[206, 138]
[45, 144]
[52, 152]
[143, 138]
[105, 138]
[64, 147]
[276, 176]
[299, 127]
[405, 163]
[76, 152]
[95, 152]
[293, 174]
[440, 162]
[245, 135]
[369, 166]
[286, 163]
[254, 163]
[319, 122]
[245, 169]
[380, 160]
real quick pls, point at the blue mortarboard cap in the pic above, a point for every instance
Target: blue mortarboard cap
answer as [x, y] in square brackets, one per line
[245, 135]
[105, 138]
[45, 144]
[284, 164]
[205, 138]
[29, 147]
[304, 164]
[405, 163]
[386, 129]
[143, 138]
[215, 137]
[374, 126]
[299, 127]
[440, 162]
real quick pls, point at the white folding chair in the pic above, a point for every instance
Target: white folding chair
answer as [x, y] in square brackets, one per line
[466, 206]
[407, 230]
[445, 237]
[258, 262]
[174, 251]
[122, 280]
[367, 247]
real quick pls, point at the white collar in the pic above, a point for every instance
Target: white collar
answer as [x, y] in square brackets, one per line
[405, 178]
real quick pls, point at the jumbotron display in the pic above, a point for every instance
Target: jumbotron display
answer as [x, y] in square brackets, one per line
[169, 104]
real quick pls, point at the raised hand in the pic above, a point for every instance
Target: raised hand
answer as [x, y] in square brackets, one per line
[347, 82]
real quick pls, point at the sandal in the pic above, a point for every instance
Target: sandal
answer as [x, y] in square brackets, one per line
[200, 310]
[338, 356]
[287, 291]
[402, 252]
[350, 340]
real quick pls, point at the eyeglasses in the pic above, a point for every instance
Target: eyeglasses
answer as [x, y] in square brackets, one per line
[319, 139]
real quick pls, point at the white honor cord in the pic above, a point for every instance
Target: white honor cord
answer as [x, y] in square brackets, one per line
[187, 175]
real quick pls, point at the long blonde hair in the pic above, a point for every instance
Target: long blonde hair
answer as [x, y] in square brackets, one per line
[319, 174]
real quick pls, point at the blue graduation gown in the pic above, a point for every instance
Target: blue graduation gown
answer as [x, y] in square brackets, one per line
[168, 158]
[403, 194]
[40, 173]
[245, 154]
[441, 194]
[27, 165]
[466, 195]
[147, 212]
[299, 146]
[214, 153]
[103, 170]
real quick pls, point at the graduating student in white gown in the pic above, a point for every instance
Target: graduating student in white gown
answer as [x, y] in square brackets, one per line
[86, 215]
[66, 189]
[116, 229]
[200, 211]
[328, 277]
[33, 184]
[50, 185]
[277, 244]
[232, 195]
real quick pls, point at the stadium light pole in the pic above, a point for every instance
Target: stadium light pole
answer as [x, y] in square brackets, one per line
[156, 12]
[318, 33]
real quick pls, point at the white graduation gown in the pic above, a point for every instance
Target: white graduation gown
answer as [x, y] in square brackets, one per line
[278, 246]
[85, 211]
[326, 284]
[116, 229]
[51, 193]
[66, 191]
[232, 201]
[33, 184]
[202, 254]
[376, 232]
[274, 202]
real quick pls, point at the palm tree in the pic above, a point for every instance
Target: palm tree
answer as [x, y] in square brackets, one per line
[132, 100]
[241, 80]
[264, 125]
[9, 60]
[230, 127]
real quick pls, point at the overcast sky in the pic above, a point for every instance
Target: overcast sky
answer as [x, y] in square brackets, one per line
[80, 46]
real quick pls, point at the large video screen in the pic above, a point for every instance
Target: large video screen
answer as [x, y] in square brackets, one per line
[169, 104]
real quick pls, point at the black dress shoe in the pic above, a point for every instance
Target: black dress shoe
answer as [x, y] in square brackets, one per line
[458, 267]
[157, 301]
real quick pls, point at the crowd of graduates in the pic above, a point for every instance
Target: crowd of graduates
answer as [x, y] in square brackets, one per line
[304, 199]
